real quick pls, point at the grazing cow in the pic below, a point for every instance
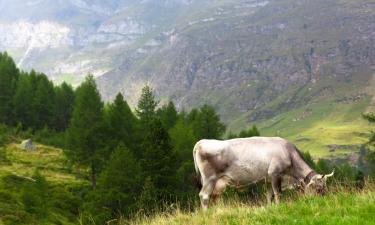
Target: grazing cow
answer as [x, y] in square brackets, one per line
[243, 161]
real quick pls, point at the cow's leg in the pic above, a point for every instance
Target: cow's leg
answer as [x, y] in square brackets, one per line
[270, 194]
[220, 186]
[206, 192]
[276, 187]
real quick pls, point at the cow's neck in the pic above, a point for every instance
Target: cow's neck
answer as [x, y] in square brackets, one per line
[301, 170]
[309, 176]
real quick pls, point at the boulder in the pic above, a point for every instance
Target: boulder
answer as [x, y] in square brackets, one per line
[28, 145]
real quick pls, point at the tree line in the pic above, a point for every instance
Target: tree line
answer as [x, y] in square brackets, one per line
[139, 160]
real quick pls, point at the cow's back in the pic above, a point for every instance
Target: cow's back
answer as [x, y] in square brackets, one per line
[245, 160]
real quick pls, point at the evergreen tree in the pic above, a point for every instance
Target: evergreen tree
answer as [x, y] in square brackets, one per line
[23, 101]
[64, 103]
[192, 116]
[168, 115]
[43, 103]
[85, 133]
[121, 123]
[8, 82]
[147, 104]
[207, 124]
[119, 186]
[148, 200]
[252, 132]
[182, 140]
[159, 160]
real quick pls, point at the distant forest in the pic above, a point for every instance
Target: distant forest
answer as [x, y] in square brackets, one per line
[136, 161]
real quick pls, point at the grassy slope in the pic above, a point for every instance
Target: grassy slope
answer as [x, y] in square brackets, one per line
[340, 208]
[323, 121]
[326, 124]
[20, 165]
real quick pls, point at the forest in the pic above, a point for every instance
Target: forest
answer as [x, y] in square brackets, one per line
[135, 161]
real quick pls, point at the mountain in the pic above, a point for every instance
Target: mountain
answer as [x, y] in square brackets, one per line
[284, 64]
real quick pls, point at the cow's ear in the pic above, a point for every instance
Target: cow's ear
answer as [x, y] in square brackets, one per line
[312, 181]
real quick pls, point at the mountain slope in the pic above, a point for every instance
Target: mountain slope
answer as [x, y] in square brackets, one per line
[254, 60]
[261, 58]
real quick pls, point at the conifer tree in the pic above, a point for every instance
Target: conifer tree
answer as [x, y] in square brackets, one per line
[121, 123]
[206, 123]
[64, 103]
[43, 103]
[148, 200]
[253, 131]
[85, 133]
[8, 82]
[168, 115]
[22, 101]
[147, 104]
[119, 186]
[159, 159]
[182, 140]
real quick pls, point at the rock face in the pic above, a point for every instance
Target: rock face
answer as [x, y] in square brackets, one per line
[28, 145]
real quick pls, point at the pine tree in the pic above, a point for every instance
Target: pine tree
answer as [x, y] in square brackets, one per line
[159, 160]
[43, 103]
[8, 82]
[207, 124]
[168, 115]
[252, 132]
[182, 140]
[147, 104]
[22, 101]
[119, 186]
[85, 133]
[121, 123]
[64, 103]
[149, 198]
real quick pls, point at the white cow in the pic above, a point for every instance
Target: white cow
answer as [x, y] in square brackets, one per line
[243, 161]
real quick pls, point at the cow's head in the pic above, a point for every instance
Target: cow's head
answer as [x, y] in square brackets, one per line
[318, 183]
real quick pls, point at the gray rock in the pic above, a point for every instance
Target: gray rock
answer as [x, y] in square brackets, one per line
[28, 145]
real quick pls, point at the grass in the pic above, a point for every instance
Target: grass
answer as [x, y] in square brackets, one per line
[316, 126]
[50, 161]
[343, 207]
[61, 200]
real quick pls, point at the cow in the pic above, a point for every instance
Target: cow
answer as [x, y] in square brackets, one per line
[243, 161]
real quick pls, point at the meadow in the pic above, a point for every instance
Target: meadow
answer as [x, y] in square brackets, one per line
[340, 206]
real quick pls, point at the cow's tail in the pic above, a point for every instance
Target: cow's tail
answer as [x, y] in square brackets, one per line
[198, 177]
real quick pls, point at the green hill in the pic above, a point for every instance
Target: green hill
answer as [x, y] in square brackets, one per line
[38, 187]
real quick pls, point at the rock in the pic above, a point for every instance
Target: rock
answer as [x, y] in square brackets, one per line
[28, 145]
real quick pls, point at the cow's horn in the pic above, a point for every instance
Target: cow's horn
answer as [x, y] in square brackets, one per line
[330, 175]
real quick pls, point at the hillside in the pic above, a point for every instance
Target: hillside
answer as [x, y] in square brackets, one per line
[286, 65]
[251, 58]
[339, 208]
[24, 199]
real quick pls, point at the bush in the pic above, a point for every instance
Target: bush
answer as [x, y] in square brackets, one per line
[50, 137]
